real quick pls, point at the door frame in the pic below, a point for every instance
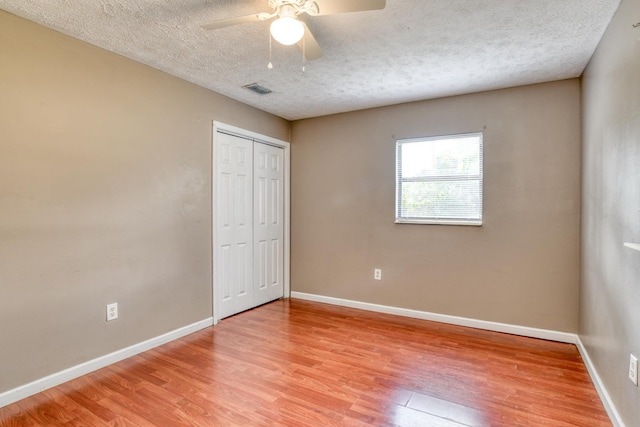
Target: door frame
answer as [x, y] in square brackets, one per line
[256, 137]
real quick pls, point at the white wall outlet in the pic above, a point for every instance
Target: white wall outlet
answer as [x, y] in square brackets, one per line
[377, 274]
[112, 311]
[633, 369]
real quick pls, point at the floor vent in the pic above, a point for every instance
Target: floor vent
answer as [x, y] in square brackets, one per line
[255, 87]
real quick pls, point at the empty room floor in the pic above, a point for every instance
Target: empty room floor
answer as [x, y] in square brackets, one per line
[298, 363]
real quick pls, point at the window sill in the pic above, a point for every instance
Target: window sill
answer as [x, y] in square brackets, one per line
[423, 222]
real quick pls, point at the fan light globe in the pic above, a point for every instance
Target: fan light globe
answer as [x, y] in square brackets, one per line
[287, 30]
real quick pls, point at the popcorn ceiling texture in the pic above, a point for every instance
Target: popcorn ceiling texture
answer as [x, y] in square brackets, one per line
[412, 50]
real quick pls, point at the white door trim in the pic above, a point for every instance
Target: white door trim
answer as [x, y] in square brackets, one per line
[243, 133]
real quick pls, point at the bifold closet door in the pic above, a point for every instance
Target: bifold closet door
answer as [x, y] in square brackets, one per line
[234, 224]
[249, 224]
[268, 222]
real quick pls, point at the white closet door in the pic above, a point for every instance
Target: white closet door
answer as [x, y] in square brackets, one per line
[268, 231]
[234, 225]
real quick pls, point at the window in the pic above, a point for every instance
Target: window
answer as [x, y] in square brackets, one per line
[439, 180]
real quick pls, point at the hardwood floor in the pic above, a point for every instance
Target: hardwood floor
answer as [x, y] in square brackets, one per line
[297, 363]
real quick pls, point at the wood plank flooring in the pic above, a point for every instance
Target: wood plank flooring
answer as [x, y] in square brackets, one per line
[297, 363]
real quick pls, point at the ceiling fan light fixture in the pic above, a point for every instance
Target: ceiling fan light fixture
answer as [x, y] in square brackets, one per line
[287, 30]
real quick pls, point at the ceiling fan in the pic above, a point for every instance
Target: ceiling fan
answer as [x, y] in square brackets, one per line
[289, 30]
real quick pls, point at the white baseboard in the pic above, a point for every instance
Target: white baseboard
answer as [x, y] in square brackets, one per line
[600, 388]
[53, 380]
[545, 334]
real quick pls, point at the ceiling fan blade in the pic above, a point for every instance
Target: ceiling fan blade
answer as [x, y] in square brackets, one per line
[309, 45]
[330, 7]
[221, 23]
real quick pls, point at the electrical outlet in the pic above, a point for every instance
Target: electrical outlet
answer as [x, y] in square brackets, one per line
[377, 274]
[112, 311]
[633, 369]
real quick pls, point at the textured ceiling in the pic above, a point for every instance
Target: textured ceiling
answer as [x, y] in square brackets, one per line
[412, 50]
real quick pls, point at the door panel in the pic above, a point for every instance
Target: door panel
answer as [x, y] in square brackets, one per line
[275, 261]
[261, 213]
[225, 275]
[234, 224]
[261, 261]
[268, 225]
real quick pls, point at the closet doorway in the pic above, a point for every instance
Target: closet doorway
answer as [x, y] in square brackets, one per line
[250, 220]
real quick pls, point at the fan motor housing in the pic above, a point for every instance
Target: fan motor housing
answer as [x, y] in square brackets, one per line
[300, 6]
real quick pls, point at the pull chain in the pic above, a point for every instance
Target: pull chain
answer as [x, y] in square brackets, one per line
[304, 56]
[270, 65]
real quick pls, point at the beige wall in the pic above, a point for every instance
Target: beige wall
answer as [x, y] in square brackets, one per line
[521, 267]
[104, 196]
[610, 290]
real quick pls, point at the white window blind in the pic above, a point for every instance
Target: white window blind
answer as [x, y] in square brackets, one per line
[439, 180]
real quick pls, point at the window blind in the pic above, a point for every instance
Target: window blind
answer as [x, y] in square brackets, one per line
[439, 179]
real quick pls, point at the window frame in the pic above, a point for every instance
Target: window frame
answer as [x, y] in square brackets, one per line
[433, 220]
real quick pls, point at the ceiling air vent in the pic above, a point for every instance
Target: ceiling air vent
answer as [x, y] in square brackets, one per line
[255, 87]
